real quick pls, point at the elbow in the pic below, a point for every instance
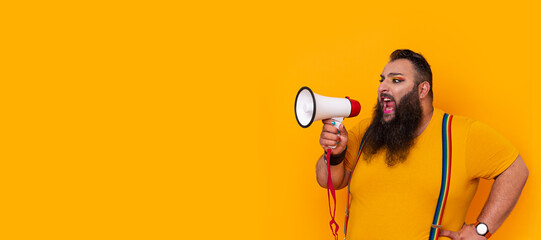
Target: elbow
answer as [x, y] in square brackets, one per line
[321, 183]
[524, 173]
[524, 176]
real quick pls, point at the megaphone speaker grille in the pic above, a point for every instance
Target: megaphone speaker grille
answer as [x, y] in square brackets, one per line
[305, 107]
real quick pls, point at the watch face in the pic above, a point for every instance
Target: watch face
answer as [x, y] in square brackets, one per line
[482, 229]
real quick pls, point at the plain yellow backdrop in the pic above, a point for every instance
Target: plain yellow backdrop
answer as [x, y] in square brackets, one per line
[174, 120]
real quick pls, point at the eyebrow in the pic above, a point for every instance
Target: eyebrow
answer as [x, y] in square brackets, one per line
[391, 74]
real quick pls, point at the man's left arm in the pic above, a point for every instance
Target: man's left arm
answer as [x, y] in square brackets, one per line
[502, 199]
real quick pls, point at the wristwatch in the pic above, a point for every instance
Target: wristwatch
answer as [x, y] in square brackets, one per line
[482, 229]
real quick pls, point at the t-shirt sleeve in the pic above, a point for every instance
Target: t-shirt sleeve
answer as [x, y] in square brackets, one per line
[355, 136]
[488, 153]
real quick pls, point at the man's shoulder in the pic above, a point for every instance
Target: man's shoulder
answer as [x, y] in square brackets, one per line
[360, 127]
[365, 122]
[464, 126]
[458, 120]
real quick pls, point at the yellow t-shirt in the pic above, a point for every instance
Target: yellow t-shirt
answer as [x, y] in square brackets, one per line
[399, 202]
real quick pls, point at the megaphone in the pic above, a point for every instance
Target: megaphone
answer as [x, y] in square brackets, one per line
[310, 107]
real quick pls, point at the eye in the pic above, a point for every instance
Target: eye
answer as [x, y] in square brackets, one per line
[397, 80]
[381, 80]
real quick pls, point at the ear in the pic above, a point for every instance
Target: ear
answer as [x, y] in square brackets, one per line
[424, 88]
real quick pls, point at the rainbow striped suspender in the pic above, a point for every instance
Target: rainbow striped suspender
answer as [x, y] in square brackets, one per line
[445, 175]
[445, 178]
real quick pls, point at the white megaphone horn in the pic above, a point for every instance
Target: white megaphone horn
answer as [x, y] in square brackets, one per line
[310, 107]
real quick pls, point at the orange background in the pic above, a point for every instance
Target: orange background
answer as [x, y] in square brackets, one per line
[168, 120]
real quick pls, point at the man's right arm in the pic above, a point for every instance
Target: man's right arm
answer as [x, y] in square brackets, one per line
[340, 176]
[331, 136]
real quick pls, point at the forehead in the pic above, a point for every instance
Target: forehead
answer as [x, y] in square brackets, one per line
[401, 66]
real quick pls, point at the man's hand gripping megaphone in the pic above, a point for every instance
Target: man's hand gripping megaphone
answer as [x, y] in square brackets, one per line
[333, 135]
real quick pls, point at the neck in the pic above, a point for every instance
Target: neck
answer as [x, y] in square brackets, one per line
[428, 110]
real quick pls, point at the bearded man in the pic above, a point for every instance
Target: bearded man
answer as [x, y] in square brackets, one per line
[395, 181]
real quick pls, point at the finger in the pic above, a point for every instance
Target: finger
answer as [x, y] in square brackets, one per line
[342, 140]
[449, 234]
[330, 136]
[327, 121]
[331, 122]
[343, 129]
[330, 128]
[327, 143]
[328, 139]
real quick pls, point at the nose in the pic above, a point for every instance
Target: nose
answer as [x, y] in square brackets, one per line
[383, 87]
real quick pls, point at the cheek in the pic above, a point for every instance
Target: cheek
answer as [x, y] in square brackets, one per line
[402, 91]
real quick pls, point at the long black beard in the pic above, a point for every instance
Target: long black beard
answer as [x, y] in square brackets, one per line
[397, 135]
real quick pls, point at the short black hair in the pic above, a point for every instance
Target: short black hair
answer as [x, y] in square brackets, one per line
[424, 73]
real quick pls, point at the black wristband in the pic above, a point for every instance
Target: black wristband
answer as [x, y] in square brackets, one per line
[336, 159]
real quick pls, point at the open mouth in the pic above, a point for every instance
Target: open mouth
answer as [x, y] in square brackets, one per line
[388, 104]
